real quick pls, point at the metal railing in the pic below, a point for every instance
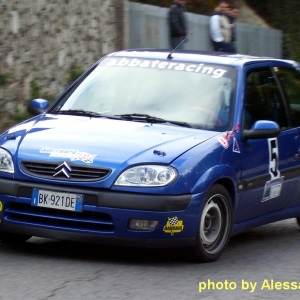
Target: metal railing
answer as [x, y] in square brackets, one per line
[146, 27]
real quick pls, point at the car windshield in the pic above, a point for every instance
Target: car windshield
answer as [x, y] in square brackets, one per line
[198, 95]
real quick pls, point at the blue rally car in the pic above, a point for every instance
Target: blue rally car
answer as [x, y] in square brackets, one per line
[157, 149]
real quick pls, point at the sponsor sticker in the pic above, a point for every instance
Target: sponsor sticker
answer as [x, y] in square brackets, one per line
[202, 68]
[70, 154]
[226, 138]
[173, 226]
[272, 189]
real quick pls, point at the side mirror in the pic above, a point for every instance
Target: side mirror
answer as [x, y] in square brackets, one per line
[38, 106]
[262, 130]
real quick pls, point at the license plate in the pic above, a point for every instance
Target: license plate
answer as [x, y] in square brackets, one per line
[58, 200]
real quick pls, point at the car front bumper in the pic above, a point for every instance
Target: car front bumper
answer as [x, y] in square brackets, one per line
[105, 218]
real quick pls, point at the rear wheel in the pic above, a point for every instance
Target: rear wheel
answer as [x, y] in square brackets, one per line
[13, 238]
[215, 225]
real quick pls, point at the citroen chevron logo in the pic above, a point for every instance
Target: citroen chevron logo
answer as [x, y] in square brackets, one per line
[63, 169]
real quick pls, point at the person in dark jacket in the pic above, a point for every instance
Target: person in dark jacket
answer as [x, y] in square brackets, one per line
[177, 24]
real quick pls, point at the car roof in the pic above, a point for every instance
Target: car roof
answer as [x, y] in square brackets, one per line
[201, 56]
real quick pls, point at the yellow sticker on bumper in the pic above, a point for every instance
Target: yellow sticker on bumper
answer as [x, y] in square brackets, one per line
[173, 225]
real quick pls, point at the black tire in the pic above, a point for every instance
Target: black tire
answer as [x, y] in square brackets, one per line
[298, 221]
[215, 225]
[13, 238]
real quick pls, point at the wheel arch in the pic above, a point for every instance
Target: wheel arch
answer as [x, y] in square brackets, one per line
[222, 175]
[229, 185]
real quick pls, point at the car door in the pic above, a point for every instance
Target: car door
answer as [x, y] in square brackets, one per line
[289, 79]
[268, 165]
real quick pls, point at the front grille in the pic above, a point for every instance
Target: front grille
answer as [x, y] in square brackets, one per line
[75, 173]
[60, 219]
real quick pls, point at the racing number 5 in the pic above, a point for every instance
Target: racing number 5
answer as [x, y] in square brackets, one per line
[273, 164]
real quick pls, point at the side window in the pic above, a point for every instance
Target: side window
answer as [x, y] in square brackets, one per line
[290, 80]
[263, 99]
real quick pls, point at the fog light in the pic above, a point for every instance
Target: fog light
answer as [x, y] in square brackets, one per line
[136, 224]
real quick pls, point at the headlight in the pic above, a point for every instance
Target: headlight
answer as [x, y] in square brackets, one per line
[6, 163]
[147, 175]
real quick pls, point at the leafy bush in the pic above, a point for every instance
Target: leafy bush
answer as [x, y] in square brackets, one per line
[4, 79]
[75, 71]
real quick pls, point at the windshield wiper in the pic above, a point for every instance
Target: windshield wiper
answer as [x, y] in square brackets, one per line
[141, 117]
[183, 124]
[151, 119]
[129, 117]
[81, 112]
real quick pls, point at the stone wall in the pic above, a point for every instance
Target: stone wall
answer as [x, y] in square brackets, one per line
[41, 40]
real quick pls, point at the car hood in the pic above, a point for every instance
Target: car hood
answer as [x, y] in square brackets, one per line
[102, 141]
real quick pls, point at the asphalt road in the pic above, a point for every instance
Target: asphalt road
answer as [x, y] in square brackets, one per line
[263, 263]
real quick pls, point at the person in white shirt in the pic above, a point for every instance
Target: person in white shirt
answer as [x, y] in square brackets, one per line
[220, 27]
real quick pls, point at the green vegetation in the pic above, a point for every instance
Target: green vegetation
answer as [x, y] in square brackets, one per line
[21, 116]
[4, 79]
[37, 91]
[75, 71]
[282, 15]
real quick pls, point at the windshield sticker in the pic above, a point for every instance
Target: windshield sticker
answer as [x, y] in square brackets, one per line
[173, 225]
[273, 186]
[168, 65]
[225, 139]
[69, 153]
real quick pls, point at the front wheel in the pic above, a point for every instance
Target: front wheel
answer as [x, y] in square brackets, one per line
[215, 225]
